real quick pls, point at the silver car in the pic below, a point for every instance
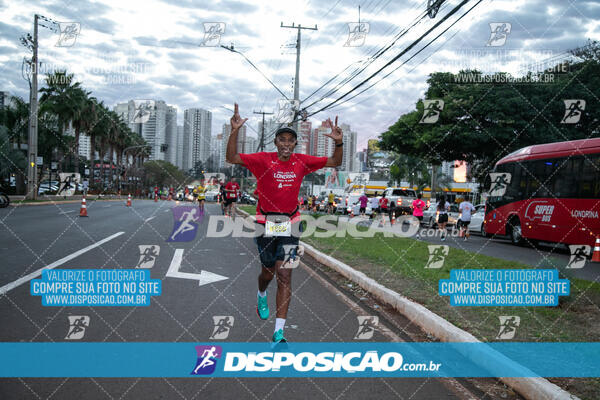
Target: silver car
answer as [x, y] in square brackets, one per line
[430, 216]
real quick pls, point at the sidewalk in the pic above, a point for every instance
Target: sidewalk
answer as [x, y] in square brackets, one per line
[19, 200]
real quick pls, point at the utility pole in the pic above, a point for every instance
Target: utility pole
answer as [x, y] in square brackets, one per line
[297, 79]
[261, 146]
[32, 145]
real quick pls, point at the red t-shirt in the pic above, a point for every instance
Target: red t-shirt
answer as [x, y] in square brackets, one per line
[278, 182]
[383, 202]
[234, 187]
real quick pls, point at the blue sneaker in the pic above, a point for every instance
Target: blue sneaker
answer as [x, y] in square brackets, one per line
[262, 307]
[278, 337]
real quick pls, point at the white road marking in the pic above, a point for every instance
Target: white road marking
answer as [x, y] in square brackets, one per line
[106, 206]
[203, 278]
[55, 264]
[66, 212]
[149, 219]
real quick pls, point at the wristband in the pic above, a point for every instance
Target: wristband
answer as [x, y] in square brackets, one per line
[339, 144]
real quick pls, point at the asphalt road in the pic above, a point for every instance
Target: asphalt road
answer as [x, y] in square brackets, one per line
[34, 237]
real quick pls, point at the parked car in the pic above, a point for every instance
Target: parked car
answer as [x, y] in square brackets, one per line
[430, 215]
[477, 224]
[48, 187]
[245, 198]
[400, 200]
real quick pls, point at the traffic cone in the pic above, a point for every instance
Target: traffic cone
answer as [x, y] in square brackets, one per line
[596, 253]
[169, 198]
[156, 197]
[83, 209]
[129, 200]
[393, 217]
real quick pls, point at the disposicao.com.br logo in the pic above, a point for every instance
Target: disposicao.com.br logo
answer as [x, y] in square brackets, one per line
[292, 364]
[371, 361]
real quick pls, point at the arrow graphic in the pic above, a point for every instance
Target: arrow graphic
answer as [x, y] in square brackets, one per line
[203, 278]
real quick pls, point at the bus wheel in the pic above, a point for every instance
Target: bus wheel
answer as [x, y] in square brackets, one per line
[514, 227]
[484, 233]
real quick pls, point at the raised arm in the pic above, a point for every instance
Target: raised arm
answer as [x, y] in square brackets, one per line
[232, 156]
[336, 134]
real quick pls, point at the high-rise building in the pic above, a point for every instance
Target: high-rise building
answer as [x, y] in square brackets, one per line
[154, 131]
[304, 137]
[321, 145]
[196, 136]
[271, 126]
[251, 144]
[171, 135]
[216, 152]
[85, 146]
[4, 99]
[349, 159]
[179, 152]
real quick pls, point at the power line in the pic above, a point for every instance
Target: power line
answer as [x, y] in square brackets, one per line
[372, 58]
[414, 55]
[411, 46]
[256, 68]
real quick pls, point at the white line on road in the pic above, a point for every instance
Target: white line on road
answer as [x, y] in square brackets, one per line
[148, 219]
[55, 264]
[106, 206]
[203, 278]
[66, 212]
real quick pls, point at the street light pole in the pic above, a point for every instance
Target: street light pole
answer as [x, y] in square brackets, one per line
[297, 78]
[32, 145]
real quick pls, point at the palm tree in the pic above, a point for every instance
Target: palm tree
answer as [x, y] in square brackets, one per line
[14, 119]
[79, 118]
[62, 97]
[98, 134]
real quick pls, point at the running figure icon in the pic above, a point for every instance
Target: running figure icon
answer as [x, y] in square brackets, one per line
[187, 217]
[207, 357]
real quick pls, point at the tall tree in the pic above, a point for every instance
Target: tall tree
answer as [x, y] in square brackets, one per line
[482, 122]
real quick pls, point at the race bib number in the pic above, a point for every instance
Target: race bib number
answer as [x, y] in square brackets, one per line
[278, 228]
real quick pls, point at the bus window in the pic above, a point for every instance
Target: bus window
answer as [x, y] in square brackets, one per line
[542, 178]
[518, 183]
[589, 184]
[567, 176]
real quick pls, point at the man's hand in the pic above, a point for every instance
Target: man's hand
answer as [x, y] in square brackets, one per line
[336, 132]
[236, 120]
[337, 136]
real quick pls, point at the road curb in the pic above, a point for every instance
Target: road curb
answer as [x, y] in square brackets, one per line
[433, 324]
[45, 203]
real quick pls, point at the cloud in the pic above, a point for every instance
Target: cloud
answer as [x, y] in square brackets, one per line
[159, 41]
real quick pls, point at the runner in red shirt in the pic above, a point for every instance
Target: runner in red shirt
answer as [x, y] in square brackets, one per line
[279, 176]
[231, 195]
[383, 208]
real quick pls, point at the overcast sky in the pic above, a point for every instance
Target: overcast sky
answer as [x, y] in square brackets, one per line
[150, 49]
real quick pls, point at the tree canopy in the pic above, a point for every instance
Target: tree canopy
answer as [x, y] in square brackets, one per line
[484, 121]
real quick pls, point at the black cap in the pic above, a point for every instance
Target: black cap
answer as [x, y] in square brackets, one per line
[286, 130]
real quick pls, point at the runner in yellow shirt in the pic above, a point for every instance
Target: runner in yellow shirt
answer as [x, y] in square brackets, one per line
[199, 192]
[330, 199]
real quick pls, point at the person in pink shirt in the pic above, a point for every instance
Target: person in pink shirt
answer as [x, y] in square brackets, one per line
[418, 206]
